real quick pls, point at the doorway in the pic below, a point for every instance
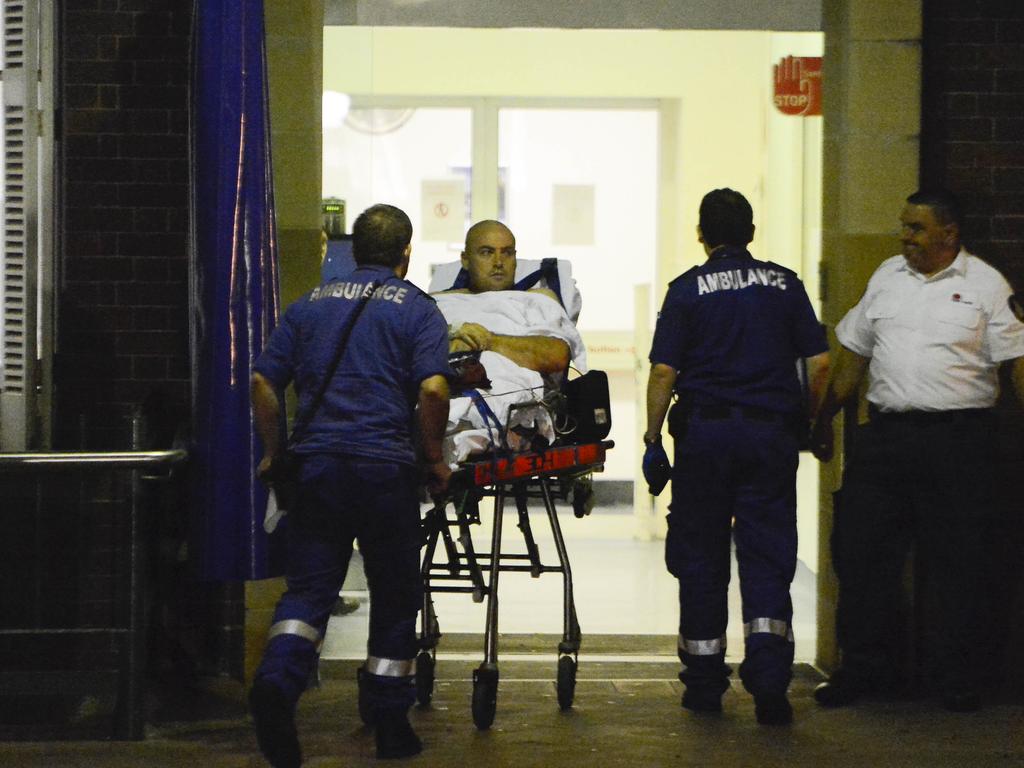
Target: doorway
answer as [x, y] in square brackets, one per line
[620, 133]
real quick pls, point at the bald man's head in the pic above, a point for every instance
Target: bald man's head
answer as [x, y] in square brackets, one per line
[489, 257]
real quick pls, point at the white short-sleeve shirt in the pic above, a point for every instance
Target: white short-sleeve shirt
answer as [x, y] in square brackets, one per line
[936, 342]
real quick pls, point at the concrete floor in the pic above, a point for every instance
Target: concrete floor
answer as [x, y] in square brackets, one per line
[625, 714]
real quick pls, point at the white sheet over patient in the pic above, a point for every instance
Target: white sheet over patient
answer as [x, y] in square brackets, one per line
[468, 431]
[513, 313]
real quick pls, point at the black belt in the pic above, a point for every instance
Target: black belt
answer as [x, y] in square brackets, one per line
[928, 417]
[712, 412]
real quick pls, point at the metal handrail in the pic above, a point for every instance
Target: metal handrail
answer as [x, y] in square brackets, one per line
[130, 710]
[72, 459]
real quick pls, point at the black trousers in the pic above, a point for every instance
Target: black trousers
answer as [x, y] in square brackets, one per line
[734, 475]
[342, 498]
[925, 480]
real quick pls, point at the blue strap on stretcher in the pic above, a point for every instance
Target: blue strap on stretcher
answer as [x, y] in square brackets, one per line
[489, 416]
[486, 412]
[548, 272]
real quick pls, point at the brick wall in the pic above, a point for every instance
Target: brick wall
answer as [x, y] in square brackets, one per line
[973, 143]
[973, 120]
[122, 299]
[122, 325]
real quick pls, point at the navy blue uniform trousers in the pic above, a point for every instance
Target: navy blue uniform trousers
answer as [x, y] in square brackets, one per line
[342, 498]
[927, 479]
[734, 472]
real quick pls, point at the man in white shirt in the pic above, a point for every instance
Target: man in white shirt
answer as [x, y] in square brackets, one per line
[932, 330]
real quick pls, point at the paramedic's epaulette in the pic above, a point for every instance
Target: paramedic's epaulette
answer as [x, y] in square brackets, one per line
[781, 268]
[419, 291]
[692, 272]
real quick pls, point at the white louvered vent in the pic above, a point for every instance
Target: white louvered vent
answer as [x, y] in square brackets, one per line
[15, 256]
[20, 261]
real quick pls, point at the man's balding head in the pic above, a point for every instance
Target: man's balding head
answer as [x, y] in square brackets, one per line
[489, 257]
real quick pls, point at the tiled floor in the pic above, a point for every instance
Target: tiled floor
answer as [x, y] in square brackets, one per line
[621, 587]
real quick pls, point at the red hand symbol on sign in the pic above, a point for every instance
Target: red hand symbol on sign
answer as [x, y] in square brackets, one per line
[792, 92]
[798, 85]
[441, 210]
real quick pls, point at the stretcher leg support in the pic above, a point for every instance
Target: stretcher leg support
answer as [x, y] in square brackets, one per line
[547, 475]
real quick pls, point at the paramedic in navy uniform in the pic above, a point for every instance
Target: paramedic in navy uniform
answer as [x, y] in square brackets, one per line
[358, 477]
[727, 343]
[932, 329]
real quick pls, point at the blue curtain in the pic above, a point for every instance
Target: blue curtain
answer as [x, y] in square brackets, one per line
[234, 282]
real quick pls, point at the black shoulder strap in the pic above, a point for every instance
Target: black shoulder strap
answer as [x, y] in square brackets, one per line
[304, 419]
[548, 272]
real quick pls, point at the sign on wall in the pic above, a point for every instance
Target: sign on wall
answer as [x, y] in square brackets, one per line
[798, 85]
[443, 210]
[572, 214]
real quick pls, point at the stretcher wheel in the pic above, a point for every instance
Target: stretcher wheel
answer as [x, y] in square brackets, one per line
[365, 713]
[485, 696]
[424, 678]
[566, 681]
[583, 498]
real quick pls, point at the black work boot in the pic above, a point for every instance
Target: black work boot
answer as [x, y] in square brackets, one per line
[773, 709]
[395, 736]
[841, 690]
[274, 717]
[702, 700]
[704, 692]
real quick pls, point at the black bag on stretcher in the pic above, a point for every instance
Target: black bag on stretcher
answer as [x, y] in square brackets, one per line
[588, 408]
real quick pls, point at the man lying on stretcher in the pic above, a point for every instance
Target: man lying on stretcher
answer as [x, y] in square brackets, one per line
[526, 340]
[489, 258]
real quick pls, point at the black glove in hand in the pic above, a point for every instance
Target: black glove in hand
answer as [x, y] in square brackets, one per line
[657, 470]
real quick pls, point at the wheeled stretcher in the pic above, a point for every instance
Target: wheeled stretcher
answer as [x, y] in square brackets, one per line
[451, 562]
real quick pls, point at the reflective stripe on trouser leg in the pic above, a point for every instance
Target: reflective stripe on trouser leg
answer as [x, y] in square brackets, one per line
[296, 627]
[704, 666]
[768, 658]
[390, 667]
[711, 647]
[390, 683]
[291, 652]
[768, 626]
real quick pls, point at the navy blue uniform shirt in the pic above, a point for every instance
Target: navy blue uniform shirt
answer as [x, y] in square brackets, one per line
[733, 328]
[400, 339]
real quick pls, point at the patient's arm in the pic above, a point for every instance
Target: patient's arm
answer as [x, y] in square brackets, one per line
[544, 354]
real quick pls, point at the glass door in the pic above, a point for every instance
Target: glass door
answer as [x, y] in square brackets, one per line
[416, 157]
[582, 185]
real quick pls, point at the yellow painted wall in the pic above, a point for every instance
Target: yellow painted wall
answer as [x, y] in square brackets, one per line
[723, 123]
[293, 69]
